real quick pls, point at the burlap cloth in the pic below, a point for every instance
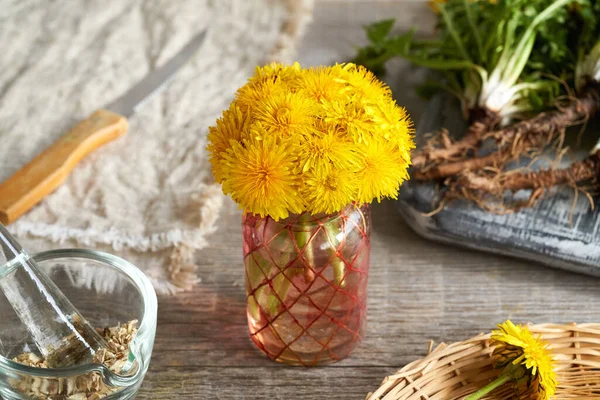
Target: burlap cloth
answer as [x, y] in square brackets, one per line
[149, 196]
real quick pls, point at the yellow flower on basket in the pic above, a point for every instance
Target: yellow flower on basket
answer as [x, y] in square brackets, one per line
[311, 140]
[524, 358]
[516, 345]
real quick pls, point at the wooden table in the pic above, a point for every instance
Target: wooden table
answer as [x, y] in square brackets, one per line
[418, 290]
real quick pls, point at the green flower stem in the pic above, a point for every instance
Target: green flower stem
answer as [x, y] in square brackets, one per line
[467, 6]
[338, 265]
[257, 269]
[283, 282]
[281, 286]
[489, 388]
[510, 373]
[303, 241]
[254, 308]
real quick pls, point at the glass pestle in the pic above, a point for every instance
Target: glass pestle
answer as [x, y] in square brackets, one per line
[60, 333]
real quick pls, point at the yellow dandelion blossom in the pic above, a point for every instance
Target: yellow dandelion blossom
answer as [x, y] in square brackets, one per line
[260, 176]
[321, 84]
[394, 125]
[382, 171]
[233, 125]
[287, 114]
[327, 151]
[275, 72]
[248, 96]
[258, 132]
[516, 345]
[364, 84]
[349, 117]
[330, 190]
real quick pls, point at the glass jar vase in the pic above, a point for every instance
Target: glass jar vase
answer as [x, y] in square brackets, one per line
[306, 284]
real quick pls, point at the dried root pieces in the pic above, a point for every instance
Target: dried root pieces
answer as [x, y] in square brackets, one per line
[431, 154]
[488, 189]
[578, 172]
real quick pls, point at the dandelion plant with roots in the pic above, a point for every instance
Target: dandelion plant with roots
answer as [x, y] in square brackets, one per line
[533, 133]
[538, 130]
[524, 71]
[483, 52]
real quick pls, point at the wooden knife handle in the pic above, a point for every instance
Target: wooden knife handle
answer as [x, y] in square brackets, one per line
[49, 170]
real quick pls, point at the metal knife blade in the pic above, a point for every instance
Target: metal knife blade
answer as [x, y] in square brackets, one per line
[156, 81]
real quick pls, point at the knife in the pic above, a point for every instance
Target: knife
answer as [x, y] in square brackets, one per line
[48, 171]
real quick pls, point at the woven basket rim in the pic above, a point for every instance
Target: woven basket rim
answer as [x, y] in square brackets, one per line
[452, 371]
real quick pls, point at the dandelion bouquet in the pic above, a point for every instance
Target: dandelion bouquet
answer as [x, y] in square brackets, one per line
[303, 152]
[315, 140]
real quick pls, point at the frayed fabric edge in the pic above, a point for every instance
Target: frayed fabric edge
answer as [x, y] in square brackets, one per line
[195, 238]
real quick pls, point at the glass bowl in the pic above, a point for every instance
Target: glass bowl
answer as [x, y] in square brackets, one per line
[107, 291]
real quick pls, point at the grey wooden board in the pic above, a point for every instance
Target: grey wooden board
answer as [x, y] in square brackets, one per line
[560, 231]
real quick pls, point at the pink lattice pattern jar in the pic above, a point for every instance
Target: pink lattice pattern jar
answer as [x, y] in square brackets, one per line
[306, 284]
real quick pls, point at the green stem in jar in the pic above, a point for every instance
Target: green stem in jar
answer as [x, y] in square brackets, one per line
[281, 287]
[338, 265]
[305, 245]
[282, 283]
[257, 268]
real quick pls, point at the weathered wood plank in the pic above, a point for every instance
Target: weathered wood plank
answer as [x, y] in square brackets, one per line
[262, 383]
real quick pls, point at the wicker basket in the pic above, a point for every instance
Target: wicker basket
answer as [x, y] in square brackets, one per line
[457, 370]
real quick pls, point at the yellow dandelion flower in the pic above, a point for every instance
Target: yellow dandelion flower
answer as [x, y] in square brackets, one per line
[516, 345]
[258, 132]
[349, 117]
[321, 84]
[394, 125]
[330, 190]
[382, 171]
[233, 125]
[249, 95]
[287, 114]
[525, 359]
[327, 151]
[364, 84]
[260, 176]
[275, 72]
